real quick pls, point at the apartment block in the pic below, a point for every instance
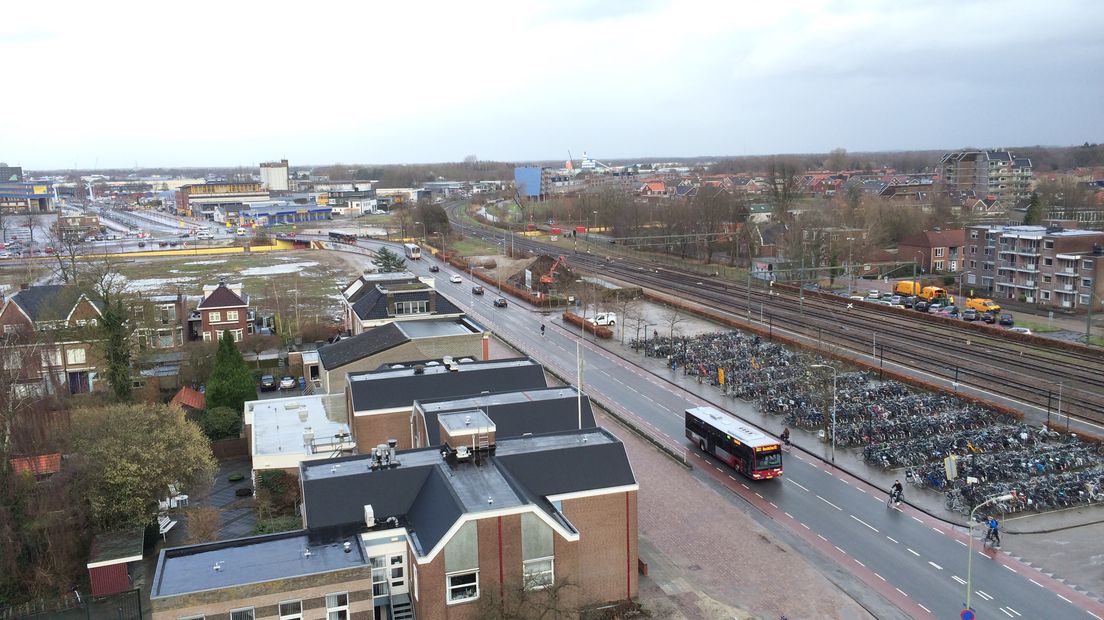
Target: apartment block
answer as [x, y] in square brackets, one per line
[996, 173]
[1038, 265]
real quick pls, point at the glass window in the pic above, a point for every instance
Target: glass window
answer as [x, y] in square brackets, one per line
[74, 356]
[1086, 264]
[538, 573]
[231, 315]
[214, 317]
[1048, 261]
[1086, 282]
[1048, 244]
[291, 610]
[241, 614]
[1046, 278]
[337, 606]
[1046, 294]
[462, 587]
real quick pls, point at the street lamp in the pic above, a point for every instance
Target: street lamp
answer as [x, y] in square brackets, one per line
[424, 238]
[970, 541]
[835, 374]
[850, 273]
[646, 326]
[595, 224]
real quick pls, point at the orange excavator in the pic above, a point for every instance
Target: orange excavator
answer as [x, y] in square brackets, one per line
[549, 277]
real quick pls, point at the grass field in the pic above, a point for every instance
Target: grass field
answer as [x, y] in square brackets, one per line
[474, 247]
[1040, 328]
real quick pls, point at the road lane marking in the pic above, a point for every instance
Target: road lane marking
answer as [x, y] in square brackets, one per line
[1063, 598]
[1087, 611]
[859, 563]
[1005, 612]
[900, 590]
[731, 476]
[864, 523]
[958, 579]
[912, 552]
[1011, 569]
[1035, 582]
[798, 484]
[917, 520]
[892, 540]
[759, 495]
[983, 595]
[879, 576]
[822, 538]
[960, 542]
[830, 503]
[937, 567]
[924, 608]
[1019, 614]
[938, 531]
[840, 550]
[804, 526]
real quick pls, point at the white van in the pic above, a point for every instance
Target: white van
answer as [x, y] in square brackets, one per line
[241, 232]
[205, 234]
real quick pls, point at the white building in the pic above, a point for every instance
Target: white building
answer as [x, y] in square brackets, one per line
[274, 176]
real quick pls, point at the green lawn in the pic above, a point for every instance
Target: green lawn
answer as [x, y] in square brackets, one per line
[1040, 328]
[474, 247]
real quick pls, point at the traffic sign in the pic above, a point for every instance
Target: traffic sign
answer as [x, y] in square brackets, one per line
[967, 614]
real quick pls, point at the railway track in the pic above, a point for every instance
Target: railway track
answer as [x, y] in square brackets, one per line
[1039, 375]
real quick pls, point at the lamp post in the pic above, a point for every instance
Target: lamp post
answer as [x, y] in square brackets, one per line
[970, 541]
[850, 277]
[646, 326]
[424, 238]
[835, 374]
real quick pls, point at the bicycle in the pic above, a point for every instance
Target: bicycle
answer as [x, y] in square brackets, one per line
[894, 499]
[992, 539]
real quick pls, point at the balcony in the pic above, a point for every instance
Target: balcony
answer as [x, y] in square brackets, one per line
[1065, 291]
[1066, 272]
[1067, 287]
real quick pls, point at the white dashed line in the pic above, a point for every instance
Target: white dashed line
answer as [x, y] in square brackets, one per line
[804, 526]
[864, 523]
[879, 576]
[829, 503]
[1035, 582]
[841, 550]
[1063, 598]
[822, 538]
[1019, 614]
[913, 552]
[960, 542]
[1005, 612]
[861, 490]
[798, 484]
[787, 514]
[759, 495]
[900, 590]
[1011, 569]
[860, 563]
[983, 595]
[958, 579]
[924, 608]
[892, 540]
[937, 530]
[745, 486]
[1087, 611]
[917, 520]
[937, 567]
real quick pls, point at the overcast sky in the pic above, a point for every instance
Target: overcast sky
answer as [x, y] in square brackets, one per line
[118, 84]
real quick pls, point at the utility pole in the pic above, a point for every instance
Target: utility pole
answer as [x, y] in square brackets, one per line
[850, 273]
[1088, 320]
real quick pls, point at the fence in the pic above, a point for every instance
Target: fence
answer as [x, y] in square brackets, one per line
[123, 606]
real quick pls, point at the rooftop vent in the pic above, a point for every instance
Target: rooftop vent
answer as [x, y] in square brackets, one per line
[218, 566]
[306, 552]
[348, 547]
[462, 453]
[419, 369]
[369, 516]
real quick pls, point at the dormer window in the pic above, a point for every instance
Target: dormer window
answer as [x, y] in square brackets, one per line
[411, 307]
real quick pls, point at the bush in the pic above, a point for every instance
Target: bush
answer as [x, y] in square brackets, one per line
[277, 493]
[222, 422]
[278, 524]
[235, 477]
[948, 280]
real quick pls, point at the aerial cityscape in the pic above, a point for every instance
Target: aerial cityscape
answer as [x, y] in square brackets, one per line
[546, 311]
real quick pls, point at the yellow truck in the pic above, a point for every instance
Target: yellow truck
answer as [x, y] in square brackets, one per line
[982, 305]
[931, 292]
[908, 289]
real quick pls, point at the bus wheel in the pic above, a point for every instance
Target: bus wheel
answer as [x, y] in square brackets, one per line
[701, 444]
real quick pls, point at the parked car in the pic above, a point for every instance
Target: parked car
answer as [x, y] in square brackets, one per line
[500, 302]
[989, 317]
[162, 244]
[287, 382]
[920, 305]
[5, 254]
[477, 290]
[141, 244]
[951, 311]
[605, 318]
[455, 279]
[434, 268]
[908, 302]
[268, 383]
[1006, 319]
[1020, 330]
[895, 300]
[873, 294]
[969, 314]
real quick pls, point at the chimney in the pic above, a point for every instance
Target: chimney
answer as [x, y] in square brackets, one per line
[24, 286]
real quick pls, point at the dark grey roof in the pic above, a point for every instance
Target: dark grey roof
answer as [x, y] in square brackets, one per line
[515, 413]
[369, 282]
[257, 559]
[390, 388]
[371, 342]
[427, 493]
[372, 304]
[998, 155]
[50, 302]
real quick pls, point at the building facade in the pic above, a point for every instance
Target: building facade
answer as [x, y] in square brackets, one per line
[200, 200]
[996, 173]
[935, 251]
[377, 299]
[225, 308]
[274, 176]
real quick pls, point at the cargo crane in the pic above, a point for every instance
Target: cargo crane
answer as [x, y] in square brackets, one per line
[549, 277]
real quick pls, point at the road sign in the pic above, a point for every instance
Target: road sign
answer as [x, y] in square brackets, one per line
[967, 614]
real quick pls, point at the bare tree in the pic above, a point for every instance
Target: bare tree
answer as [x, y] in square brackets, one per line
[672, 317]
[204, 523]
[628, 309]
[530, 602]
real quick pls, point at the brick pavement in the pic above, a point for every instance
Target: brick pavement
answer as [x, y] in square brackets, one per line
[714, 559]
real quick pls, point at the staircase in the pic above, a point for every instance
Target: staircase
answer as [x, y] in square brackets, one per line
[401, 608]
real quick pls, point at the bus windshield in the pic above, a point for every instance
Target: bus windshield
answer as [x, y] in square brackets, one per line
[769, 460]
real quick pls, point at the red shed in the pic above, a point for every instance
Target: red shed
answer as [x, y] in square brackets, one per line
[109, 562]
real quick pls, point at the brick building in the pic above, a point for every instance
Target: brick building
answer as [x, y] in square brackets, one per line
[935, 251]
[381, 298]
[1039, 265]
[429, 534]
[996, 173]
[200, 199]
[54, 322]
[224, 308]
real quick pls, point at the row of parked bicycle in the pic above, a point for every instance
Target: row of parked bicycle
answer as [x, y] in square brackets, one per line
[896, 426]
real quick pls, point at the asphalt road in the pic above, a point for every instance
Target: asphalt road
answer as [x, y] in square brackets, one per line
[915, 562]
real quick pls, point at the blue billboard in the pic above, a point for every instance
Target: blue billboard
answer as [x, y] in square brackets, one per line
[528, 181]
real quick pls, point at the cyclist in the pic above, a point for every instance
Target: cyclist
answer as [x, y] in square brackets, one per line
[786, 436]
[896, 491]
[994, 531]
[542, 329]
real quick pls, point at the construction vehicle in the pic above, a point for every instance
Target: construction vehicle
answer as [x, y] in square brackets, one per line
[931, 292]
[983, 305]
[908, 289]
[549, 277]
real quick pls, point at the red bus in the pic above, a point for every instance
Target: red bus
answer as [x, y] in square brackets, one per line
[744, 448]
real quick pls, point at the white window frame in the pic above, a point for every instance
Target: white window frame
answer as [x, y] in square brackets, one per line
[1083, 300]
[214, 317]
[1086, 264]
[72, 359]
[291, 616]
[231, 316]
[241, 610]
[1086, 282]
[199, 617]
[449, 587]
[206, 336]
[528, 579]
[237, 335]
[939, 252]
[1045, 295]
[337, 609]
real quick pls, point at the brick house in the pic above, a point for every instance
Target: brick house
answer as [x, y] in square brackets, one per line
[429, 534]
[380, 298]
[224, 308]
[54, 321]
[159, 321]
[936, 251]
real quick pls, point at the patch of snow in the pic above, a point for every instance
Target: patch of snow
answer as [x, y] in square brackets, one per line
[207, 262]
[154, 284]
[271, 270]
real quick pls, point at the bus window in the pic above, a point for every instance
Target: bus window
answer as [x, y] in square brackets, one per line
[768, 460]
